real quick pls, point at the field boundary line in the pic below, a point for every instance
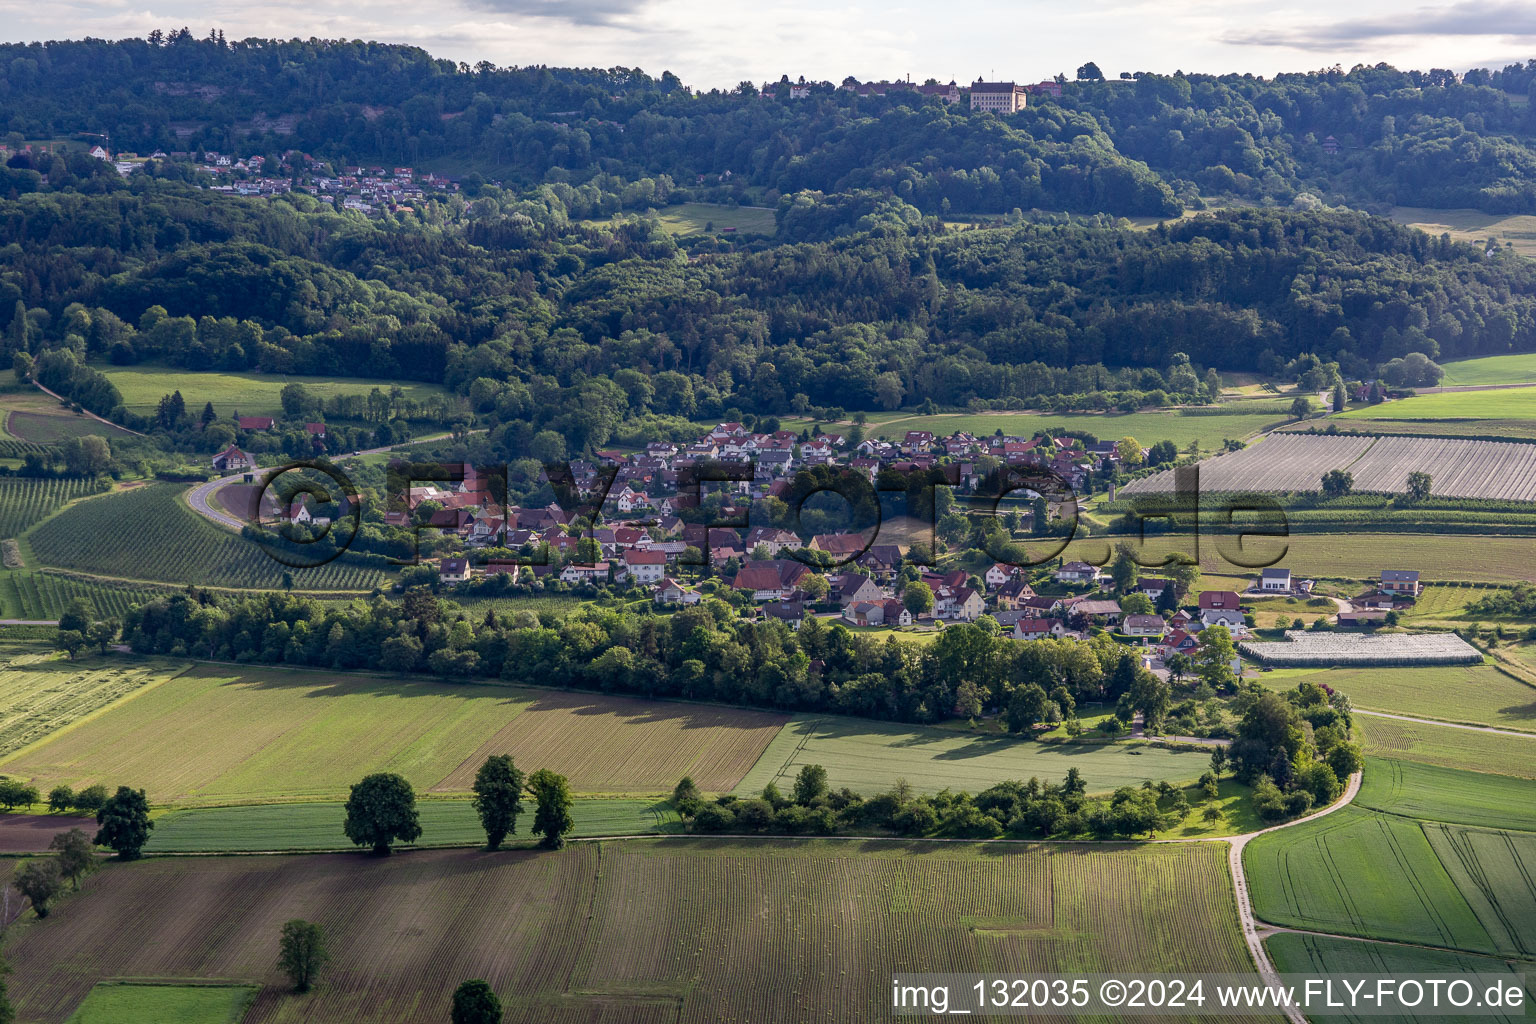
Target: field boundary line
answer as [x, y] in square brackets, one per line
[13, 755]
[1530, 735]
[85, 411]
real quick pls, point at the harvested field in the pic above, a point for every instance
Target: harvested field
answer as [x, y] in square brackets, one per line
[31, 833]
[651, 930]
[593, 740]
[1380, 465]
[1362, 556]
[1361, 649]
[250, 828]
[1448, 747]
[41, 694]
[868, 757]
[1431, 793]
[219, 735]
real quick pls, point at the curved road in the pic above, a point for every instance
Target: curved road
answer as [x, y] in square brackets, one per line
[201, 496]
[1251, 932]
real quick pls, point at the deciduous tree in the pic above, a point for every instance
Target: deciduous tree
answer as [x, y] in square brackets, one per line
[498, 798]
[380, 810]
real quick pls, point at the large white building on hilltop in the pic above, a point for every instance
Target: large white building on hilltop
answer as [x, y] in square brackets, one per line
[999, 97]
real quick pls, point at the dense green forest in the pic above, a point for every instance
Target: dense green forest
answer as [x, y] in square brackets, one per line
[548, 317]
[1150, 145]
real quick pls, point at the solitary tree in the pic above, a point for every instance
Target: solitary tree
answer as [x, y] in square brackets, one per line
[686, 798]
[1301, 408]
[810, 784]
[39, 881]
[76, 855]
[1418, 485]
[381, 809]
[124, 822]
[498, 798]
[475, 1003]
[302, 953]
[552, 817]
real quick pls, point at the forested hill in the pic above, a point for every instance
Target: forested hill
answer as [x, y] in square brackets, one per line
[884, 308]
[1149, 146]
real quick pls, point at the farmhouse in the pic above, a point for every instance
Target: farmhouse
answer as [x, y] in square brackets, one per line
[1220, 608]
[1400, 581]
[232, 460]
[254, 422]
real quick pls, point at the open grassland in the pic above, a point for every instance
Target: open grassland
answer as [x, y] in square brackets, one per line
[1361, 556]
[1431, 793]
[1502, 404]
[1448, 747]
[1519, 368]
[1360, 873]
[25, 594]
[1294, 953]
[639, 931]
[250, 394]
[53, 427]
[593, 740]
[1147, 427]
[41, 694]
[868, 757]
[1479, 694]
[223, 735]
[119, 1003]
[1464, 225]
[26, 501]
[247, 828]
[149, 534]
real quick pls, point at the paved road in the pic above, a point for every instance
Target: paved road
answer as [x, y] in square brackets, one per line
[1448, 725]
[202, 500]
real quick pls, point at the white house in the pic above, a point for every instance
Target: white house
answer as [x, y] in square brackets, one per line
[1275, 580]
[453, 570]
[1144, 625]
[585, 573]
[1220, 608]
[645, 566]
[669, 591]
[1077, 572]
[232, 460]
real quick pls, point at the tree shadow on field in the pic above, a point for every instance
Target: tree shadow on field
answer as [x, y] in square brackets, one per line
[320, 684]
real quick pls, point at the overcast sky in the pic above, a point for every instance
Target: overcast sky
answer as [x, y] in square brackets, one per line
[719, 42]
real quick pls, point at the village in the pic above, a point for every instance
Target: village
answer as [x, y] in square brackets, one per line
[647, 535]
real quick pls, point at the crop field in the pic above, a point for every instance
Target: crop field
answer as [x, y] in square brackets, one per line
[246, 828]
[1479, 694]
[217, 735]
[593, 740]
[1448, 747]
[40, 694]
[1357, 872]
[1430, 793]
[1519, 368]
[1502, 404]
[171, 543]
[1444, 604]
[868, 757]
[1295, 953]
[1380, 465]
[1495, 870]
[25, 594]
[31, 833]
[638, 931]
[1363, 649]
[51, 428]
[1361, 556]
[251, 394]
[149, 1003]
[26, 501]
